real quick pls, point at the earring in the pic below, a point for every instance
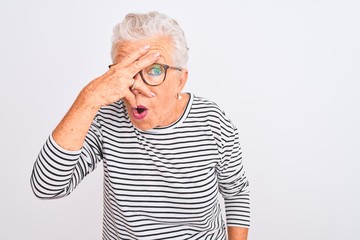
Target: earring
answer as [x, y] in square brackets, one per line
[178, 96]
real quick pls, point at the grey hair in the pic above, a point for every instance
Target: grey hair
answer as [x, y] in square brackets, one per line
[136, 26]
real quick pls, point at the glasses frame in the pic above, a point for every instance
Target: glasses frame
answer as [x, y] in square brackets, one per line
[166, 67]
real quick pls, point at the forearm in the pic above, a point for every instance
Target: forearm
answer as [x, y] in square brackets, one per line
[237, 233]
[71, 131]
[104, 90]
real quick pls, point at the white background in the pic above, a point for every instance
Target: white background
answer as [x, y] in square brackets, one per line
[286, 72]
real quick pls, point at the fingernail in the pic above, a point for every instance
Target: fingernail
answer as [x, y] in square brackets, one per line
[153, 94]
[146, 47]
[156, 55]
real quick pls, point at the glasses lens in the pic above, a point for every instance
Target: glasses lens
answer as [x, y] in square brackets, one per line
[154, 74]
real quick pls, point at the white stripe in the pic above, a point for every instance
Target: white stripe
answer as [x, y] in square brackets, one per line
[158, 184]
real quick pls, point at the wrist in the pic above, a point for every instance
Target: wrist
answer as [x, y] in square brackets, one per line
[87, 100]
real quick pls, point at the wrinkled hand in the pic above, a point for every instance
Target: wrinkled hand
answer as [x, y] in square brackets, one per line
[116, 82]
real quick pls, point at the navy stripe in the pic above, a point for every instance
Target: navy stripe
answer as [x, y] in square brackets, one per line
[158, 184]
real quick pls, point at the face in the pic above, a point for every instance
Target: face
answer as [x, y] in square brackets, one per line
[164, 108]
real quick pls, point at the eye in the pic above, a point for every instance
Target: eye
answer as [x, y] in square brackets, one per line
[155, 70]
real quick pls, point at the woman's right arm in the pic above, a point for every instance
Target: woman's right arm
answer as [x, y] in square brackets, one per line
[74, 147]
[106, 89]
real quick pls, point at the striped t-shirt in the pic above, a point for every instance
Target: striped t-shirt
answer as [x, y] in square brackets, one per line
[158, 184]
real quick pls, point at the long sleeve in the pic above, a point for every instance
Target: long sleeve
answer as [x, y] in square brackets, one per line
[233, 184]
[58, 171]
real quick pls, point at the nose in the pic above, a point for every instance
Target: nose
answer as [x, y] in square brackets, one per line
[137, 78]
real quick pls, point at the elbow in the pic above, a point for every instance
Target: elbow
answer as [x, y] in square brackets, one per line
[43, 192]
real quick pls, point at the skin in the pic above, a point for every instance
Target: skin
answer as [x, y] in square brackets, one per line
[110, 87]
[237, 233]
[163, 106]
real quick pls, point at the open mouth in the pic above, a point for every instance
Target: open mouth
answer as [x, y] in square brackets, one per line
[140, 112]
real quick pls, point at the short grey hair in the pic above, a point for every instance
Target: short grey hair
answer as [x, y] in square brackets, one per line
[137, 26]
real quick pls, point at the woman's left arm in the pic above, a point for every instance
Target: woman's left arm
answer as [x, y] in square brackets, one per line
[237, 233]
[233, 183]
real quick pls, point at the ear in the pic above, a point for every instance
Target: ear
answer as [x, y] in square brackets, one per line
[182, 79]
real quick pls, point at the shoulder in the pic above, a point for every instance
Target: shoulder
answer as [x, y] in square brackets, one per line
[201, 104]
[209, 110]
[208, 114]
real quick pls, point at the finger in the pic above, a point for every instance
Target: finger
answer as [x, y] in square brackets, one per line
[128, 58]
[140, 87]
[133, 84]
[140, 64]
[130, 98]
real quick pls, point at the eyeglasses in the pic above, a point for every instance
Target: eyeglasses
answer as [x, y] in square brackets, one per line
[155, 74]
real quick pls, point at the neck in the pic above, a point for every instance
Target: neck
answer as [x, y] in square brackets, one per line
[180, 106]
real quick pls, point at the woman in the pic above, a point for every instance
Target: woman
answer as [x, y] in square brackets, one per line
[166, 154]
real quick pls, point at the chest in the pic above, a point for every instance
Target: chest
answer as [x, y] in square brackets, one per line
[180, 156]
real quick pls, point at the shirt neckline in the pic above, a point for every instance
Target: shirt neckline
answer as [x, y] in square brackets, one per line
[174, 124]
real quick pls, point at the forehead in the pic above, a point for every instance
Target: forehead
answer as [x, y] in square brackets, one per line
[163, 45]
